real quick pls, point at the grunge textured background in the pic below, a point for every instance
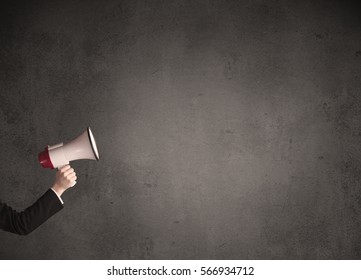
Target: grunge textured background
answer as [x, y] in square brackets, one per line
[226, 129]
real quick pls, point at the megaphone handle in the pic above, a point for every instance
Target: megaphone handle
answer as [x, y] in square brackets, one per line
[60, 167]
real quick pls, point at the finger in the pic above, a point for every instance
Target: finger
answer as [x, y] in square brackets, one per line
[64, 168]
[71, 176]
[69, 171]
[72, 182]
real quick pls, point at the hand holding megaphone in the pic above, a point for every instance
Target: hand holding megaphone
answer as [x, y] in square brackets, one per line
[64, 179]
[66, 175]
[59, 155]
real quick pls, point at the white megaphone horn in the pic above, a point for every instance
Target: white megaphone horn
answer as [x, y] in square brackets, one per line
[82, 147]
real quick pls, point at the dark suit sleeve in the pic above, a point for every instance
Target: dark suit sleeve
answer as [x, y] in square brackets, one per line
[26, 221]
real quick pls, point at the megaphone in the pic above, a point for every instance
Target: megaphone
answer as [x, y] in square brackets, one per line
[82, 147]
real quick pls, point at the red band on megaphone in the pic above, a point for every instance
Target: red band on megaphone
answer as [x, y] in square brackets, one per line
[44, 159]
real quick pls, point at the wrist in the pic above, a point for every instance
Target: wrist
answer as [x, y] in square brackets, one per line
[58, 189]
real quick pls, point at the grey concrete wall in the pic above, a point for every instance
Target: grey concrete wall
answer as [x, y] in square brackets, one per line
[226, 129]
